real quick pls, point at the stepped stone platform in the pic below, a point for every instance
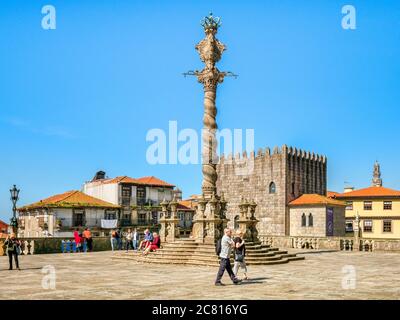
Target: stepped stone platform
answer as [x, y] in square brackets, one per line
[187, 251]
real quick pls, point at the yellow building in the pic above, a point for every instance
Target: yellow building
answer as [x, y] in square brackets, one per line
[378, 209]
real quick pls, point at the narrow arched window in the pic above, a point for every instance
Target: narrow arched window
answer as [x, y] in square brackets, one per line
[272, 187]
[310, 220]
[303, 220]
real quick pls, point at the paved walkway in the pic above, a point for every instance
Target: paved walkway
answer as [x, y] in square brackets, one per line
[97, 276]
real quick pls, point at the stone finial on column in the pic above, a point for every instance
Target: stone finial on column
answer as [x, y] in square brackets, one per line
[173, 205]
[163, 221]
[202, 206]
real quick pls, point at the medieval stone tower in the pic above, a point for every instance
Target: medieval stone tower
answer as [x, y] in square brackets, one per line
[272, 180]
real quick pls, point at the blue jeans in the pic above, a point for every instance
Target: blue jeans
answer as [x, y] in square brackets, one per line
[113, 243]
[135, 244]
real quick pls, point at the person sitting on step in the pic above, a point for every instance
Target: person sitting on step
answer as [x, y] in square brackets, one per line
[148, 237]
[154, 244]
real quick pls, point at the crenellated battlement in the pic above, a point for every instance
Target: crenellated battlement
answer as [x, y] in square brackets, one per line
[266, 154]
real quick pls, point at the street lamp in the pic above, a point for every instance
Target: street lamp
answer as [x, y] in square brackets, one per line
[14, 198]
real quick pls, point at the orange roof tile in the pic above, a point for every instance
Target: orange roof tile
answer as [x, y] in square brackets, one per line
[150, 181]
[332, 194]
[370, 192]
[154, 181]
[70, 199]
[122, 179]
[315, 199]
[187, 204]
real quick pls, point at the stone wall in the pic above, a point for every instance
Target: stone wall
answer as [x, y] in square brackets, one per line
[319, 228]
[293, 172]
[332, 243]
[53, 245]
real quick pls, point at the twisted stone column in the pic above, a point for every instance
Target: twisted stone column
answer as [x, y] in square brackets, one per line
[210, 51]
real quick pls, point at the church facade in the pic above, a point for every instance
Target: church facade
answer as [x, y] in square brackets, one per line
[272, 180]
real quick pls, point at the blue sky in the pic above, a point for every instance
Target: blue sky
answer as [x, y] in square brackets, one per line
[82, 97]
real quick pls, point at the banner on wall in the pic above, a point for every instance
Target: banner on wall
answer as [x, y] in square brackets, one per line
[329, 222]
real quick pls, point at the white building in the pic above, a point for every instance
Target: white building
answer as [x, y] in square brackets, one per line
[139, 198]
[60, 214]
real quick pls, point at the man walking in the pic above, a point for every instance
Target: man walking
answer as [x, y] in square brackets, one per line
[225, 264]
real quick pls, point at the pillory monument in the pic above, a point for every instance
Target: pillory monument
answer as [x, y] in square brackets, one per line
[229, 197]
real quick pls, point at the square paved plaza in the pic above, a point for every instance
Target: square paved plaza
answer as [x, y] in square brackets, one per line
[98, 276]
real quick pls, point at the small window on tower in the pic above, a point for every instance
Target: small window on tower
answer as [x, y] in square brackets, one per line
[272, 187]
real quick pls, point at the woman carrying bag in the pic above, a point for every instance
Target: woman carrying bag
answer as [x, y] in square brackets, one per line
[240, 253]
[12, 247]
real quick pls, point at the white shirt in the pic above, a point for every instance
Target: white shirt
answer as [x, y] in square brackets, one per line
[226, 243]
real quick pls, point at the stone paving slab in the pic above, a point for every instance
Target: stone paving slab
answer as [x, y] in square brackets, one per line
[98, 276]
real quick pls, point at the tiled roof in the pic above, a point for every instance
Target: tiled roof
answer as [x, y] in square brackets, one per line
[154, 181]
[122, 179]
[149, 181]
[70, 199]
[315, 199]
[373, 192]
[185, 205]
[332, 194]
[3, 224]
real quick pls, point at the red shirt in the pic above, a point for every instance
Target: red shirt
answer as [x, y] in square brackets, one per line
[77, 237]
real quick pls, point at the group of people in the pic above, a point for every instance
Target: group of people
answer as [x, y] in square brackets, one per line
[224, 247]
[83, 237]
[150, 242]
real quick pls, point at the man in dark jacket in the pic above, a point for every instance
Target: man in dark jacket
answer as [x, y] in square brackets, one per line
[12, 244]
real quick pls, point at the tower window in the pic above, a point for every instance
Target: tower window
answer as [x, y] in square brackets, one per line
[272, 187]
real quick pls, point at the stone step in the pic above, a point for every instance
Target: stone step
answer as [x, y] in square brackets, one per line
[159, 256]
[213, 263]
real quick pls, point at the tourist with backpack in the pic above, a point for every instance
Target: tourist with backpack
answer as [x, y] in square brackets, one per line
[12, 245]
[240, 253]
[223, 249]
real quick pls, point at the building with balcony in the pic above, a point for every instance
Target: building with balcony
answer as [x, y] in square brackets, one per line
[139, 198]
[60, 214]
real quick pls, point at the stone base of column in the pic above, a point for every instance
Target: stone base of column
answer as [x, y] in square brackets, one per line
[172, 230]
[163, 230]
[209, 221]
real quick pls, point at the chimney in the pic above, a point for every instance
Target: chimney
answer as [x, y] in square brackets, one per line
[348, 189]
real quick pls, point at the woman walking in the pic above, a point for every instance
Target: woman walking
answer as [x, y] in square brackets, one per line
[12, 246]
[240, 253]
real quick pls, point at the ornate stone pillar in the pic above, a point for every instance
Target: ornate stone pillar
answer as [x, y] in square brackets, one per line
[208, 222]
[247, 221]
[173, 222]
[163, 221]
[356, 230]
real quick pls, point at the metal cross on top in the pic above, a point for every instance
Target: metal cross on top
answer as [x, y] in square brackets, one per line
[210, 50]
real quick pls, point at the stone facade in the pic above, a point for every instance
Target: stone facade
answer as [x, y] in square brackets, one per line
[272, 180]
[319, 221]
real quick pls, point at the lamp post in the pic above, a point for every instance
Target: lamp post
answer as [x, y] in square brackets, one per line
[14, 198]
